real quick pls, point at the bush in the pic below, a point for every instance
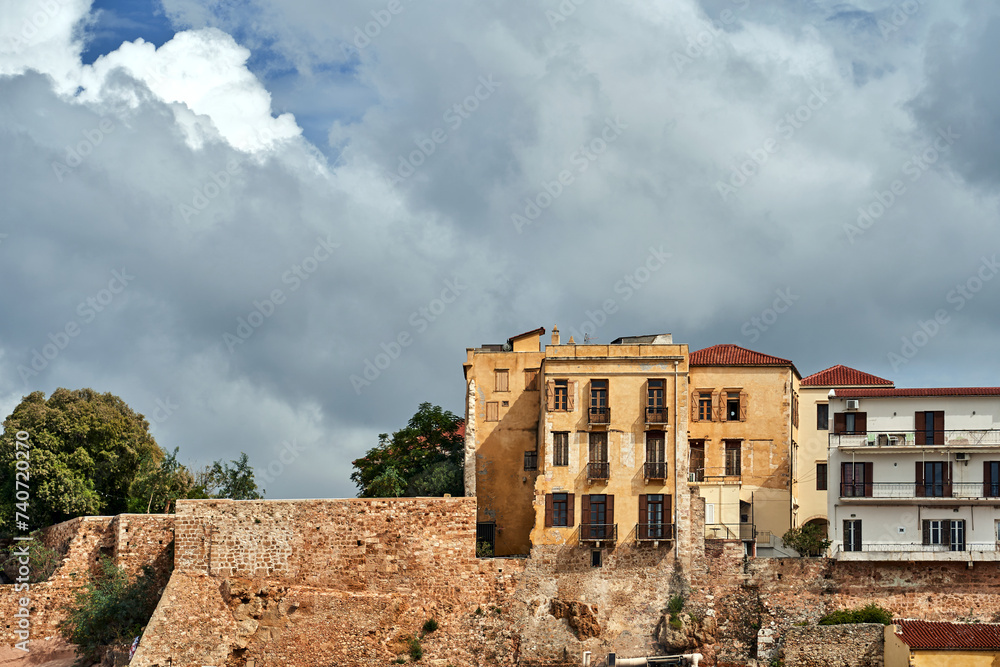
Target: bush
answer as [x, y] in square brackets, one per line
[808, 540]
[430, 625]
[110, 610]
[416, 650]
[676, 604]
[484, 549]
[42, 561]
[870, 613]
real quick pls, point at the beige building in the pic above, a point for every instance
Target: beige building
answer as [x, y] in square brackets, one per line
[579, 445]
[742, 433]
[914, 643]
[809, 486]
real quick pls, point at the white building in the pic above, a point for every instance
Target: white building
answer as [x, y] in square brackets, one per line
[915, 474]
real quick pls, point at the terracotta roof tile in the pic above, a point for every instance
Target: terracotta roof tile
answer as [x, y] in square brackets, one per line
[910, 392]
[944, 635]
[734, 355]
[842, 376]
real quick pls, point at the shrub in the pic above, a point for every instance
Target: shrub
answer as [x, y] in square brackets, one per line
[676, 623]
[110, 610]
[870, 613]
[484, 549]
[416, 650]
[808, 540]
[42, 561]
[430, 625]
[676, 604]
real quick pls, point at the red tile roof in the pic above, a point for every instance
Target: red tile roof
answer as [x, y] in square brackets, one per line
[842, 376]
[943, 635]
[534, 332]
[734, 355]
[910, 392]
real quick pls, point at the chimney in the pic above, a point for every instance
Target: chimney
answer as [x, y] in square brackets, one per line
[555, 335]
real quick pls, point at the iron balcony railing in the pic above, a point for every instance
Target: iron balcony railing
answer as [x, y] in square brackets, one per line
[718, 475]
[656, 470]
[654, 532]
[598, 470]
[897, 547]
[731, 531]
[903, 490]
[656, 415]
[531, 460]
[598, 532]
[957, 439]
[600, 415]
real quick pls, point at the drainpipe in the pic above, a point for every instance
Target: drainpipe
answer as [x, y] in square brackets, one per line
[677, 491]
[691, 658]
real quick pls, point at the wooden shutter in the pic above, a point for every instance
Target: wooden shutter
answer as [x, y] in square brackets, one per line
[643, 517]
[925, 526]
[744, 400]
[939, 427]
[920, 479]
[848, 546]
[839, 422]
[667, 509]
[861, 422]
[716, 408]
[548, 510]
[987, 479]
[550, 395]
[571, 396]
[857, 534]
[946, 533]
[723, 414]
[919, 425]
[492, 411]
[869, 472]
[585, 510]
[947, 480]
[609, 512]
[694, 406]
[570, 508]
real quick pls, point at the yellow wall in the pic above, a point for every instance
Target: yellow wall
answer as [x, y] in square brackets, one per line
[812, 448]
[989, 658]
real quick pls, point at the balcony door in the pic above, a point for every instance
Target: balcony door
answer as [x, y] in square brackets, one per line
[599, 402]
[598, 513]
[933, 479]
[697, 465]
[856, 480]
[852, 535]
[656, 462]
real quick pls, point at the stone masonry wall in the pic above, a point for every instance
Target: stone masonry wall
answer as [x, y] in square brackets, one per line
[841, 645]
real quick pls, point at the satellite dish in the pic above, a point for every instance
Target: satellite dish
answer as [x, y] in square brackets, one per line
[507, 347]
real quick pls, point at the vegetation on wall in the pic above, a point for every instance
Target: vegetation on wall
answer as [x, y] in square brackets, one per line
[808, 540]
[870, 613]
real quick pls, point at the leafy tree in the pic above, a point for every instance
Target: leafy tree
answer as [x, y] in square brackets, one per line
[157, 486]
[86, 450]
[422, 459]
[808, 540]
[110, 610]
[237, 482]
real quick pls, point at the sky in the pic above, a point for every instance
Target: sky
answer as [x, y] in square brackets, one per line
[275, 228]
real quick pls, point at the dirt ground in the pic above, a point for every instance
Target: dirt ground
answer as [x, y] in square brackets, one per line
[52, 653]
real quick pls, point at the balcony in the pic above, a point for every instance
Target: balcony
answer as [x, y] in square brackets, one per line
[598, 470]
[656, 415]
[730, 531]
[715, 475]
[893, 440]
[654, 532]
[910, 491]
[595, 533]
[599, 416]
[908, 551]
[655, 470]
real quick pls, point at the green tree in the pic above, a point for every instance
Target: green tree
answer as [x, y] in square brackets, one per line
[86, 451]
[157, 486]
[220, 480]
[422, 459]
[808, 540]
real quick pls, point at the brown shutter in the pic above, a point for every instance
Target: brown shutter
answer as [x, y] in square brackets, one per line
[643, 517]
[744, 400]
[947, 480]
[919, 426]
[723, 408]
[610, 512]
[848, 546]
[585, 510]
[861, 422]
[858, 533]
[550, 395]
[987, 479]
[926, 527]
[548, 510]
[571, 396]
[839, 422]
[946, 533]
[694, 405]
[939, 427]
[869, 473]
[716, 409]
[920, 480]
[570, 508]
[667, 509]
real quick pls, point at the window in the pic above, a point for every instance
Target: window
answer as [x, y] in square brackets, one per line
[597, 517]
[929, 427]
[531, 379]
[732, 408]
[500, 377]
[654, 517]
[732, 457]
[795, 410]
[597, 466]
[560, 449]
[852, 535]
[944, 532]
[531, 460]
[933, 479]
[991, 479]
[596, 558]
[705, 407]
[821, 477]
[656, 412]
[850, 423]
[856, 480]
[656, 455]
[559, 395]
[492, 411]
[996, 524]
[562, 395]
[697, 465]
[559, 509]
[599, 412]
[822, 416]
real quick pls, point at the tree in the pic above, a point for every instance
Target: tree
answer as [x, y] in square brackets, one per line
[422, 459]
[86, 451]
[157, 486]
[236, 482]
[808, 540]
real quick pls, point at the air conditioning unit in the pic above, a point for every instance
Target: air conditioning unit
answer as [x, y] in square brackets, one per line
[961, 456]
[852, 404]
